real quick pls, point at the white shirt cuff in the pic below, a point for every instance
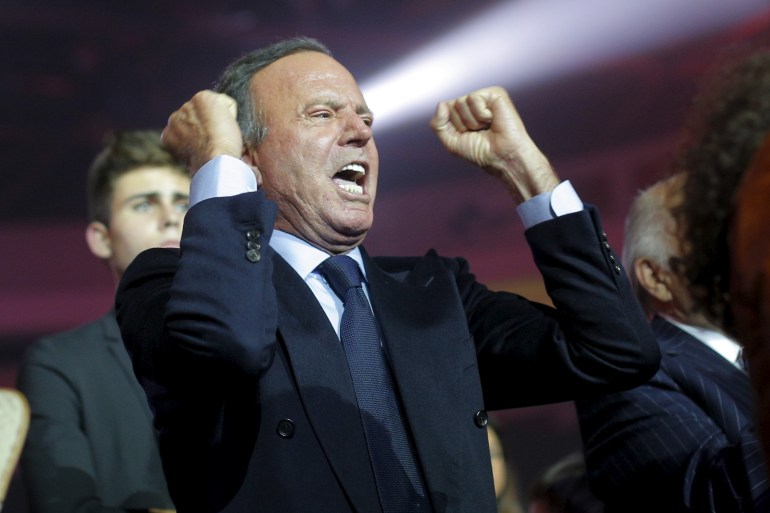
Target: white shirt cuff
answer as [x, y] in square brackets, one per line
[560, 201]
[222, 176]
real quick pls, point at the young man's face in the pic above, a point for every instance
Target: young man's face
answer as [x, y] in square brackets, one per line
[147, 210]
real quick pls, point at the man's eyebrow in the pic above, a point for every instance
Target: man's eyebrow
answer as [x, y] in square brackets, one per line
[362, 110]
[156, 195]
[337, 104]
[142, 195]
[329, 101]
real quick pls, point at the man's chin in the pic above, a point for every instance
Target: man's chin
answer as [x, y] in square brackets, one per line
[343, 239]
[354, 231]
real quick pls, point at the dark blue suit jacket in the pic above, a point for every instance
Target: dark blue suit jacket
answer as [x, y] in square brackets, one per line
[684, 441]
[250, 386]
[91, 446]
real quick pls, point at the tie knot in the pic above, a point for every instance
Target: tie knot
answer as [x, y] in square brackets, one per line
[342, 273]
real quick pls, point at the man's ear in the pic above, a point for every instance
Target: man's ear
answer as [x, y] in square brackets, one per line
[99, 240]
[653, 279]
[251, 157]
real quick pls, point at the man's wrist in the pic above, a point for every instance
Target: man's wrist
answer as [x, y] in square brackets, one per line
[560, 201]
[222, 176]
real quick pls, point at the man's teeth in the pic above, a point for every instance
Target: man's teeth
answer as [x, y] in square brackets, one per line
[346, 179]
[351, 187]
[356, 168]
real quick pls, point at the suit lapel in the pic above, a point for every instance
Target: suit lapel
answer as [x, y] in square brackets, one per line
[723, 390]
[727, 376]
[115, 347]
[323, 381]
[416, 329]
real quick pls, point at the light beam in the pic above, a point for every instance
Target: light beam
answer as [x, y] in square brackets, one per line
[526, 41]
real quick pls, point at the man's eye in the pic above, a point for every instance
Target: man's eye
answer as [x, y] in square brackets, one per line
[183, 206]
[142, 206]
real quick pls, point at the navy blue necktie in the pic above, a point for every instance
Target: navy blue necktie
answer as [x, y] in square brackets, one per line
[398, 480]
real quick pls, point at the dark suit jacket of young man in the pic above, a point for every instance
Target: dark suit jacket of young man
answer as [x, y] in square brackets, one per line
[91, 445]
[684, 441]
[251, 388]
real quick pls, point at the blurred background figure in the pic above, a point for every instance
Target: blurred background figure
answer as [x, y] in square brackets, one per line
[730, 120]
[563, 488]
[694, 418]
[503, 473]
[750, 281]
[91, 445]
[14, 422]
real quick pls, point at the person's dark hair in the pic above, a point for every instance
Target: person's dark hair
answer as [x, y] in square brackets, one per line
[235, 81]
[728, 122]
[123, 152]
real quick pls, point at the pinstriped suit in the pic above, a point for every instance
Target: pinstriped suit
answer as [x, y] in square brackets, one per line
[684, 441]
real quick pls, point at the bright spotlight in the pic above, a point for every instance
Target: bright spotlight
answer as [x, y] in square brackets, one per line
[525, 41]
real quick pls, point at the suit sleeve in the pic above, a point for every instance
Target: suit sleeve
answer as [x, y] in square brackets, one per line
[207, 313]
[654, 448]
[57, 463]
[596, 337]
[200, 326]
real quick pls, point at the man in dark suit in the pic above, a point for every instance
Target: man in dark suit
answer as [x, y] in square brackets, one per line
[91, 445]
[241, 339]
[684, 441]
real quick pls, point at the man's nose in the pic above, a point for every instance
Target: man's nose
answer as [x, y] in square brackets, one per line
[171, 215]
[357, 131]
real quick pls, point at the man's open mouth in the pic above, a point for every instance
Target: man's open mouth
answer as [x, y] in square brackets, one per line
[350, 178]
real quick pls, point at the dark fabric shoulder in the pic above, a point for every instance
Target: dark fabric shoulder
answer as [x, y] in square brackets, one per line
[403, 264]
[77, 340]
[146, 266]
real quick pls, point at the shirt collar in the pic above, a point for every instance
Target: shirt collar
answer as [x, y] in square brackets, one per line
[716, 340]
[303, 257]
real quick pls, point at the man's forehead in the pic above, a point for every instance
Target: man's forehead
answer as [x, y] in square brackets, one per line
[150, 178]
[306, 72]
[302, 59]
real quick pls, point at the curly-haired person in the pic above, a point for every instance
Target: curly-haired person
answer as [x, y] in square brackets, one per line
[722, 213]
[729, 120]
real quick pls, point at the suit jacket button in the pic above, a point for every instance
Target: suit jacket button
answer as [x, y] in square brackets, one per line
[285, 428]
[252, 244]
[252, 255]
[252, 235]
[481, 418]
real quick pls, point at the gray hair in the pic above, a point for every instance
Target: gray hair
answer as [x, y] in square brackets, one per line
[235, 81]
[650, 230]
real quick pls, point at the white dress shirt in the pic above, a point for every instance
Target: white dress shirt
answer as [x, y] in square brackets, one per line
[723, 345]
